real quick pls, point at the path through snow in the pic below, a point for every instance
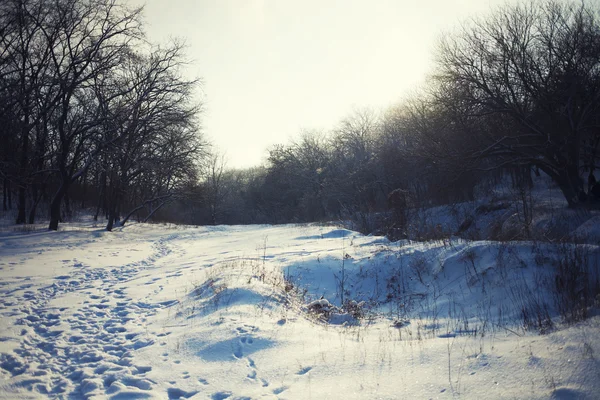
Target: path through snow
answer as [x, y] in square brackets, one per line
[177, 312]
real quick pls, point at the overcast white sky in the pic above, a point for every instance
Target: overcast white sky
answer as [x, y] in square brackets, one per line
[273, 67]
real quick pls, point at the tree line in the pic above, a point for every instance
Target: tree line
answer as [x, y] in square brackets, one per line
[346, 173]
[513, 92]
[89, 109]
[87, 115]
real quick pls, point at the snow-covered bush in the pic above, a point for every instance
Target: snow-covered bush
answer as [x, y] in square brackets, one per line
[349, 314]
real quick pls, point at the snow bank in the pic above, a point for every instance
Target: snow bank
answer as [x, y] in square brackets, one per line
[284, 311]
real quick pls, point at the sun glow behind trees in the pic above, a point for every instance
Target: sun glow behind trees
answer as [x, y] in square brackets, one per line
[110, 118]
[273, 68]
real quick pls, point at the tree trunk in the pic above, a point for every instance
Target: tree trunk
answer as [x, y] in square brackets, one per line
[23, 164]
[21, 206]
[55, 211]
[111, 218]
[144, 204]
[569, 190]
[9, 195]
[113, 209]
[33, 211]
[84, 190]
[4, 194]
[102, 197]
[36, 200]
[34, 197]
[131, 213]
[154, 210]
[56, 203]
[68, 212]
[568, 181]
[213, 214]
[98, 208]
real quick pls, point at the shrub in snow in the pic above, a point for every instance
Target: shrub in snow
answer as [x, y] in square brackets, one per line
[400, 323]
[355, 309]
[320, 306]
[348, 314]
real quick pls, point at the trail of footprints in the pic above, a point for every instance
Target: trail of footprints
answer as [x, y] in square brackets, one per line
[241, 346]
[245, 340]
[89, 352]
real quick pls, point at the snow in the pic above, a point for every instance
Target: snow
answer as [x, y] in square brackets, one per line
[291, 311]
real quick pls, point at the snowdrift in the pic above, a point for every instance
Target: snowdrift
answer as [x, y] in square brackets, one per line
[293, 311]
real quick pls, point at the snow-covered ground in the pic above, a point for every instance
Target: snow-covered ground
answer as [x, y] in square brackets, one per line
[155, 311]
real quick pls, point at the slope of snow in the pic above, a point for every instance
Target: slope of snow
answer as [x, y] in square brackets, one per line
[154, 311]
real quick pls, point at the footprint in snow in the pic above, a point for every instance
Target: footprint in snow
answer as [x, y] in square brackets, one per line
[242, 330]
[304, 371]
[221, 395]
[140, 370]
[247, 340]
[98, 341]
[279, 390]
[238, 353]
[176, 393]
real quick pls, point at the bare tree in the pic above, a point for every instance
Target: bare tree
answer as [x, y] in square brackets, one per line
[357, 184]
[538, 65]
[94, 38]
[156, 123]
[82, 90]
[24, 69]
[215, 185]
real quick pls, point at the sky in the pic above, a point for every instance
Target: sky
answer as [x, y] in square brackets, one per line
[273, 68]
